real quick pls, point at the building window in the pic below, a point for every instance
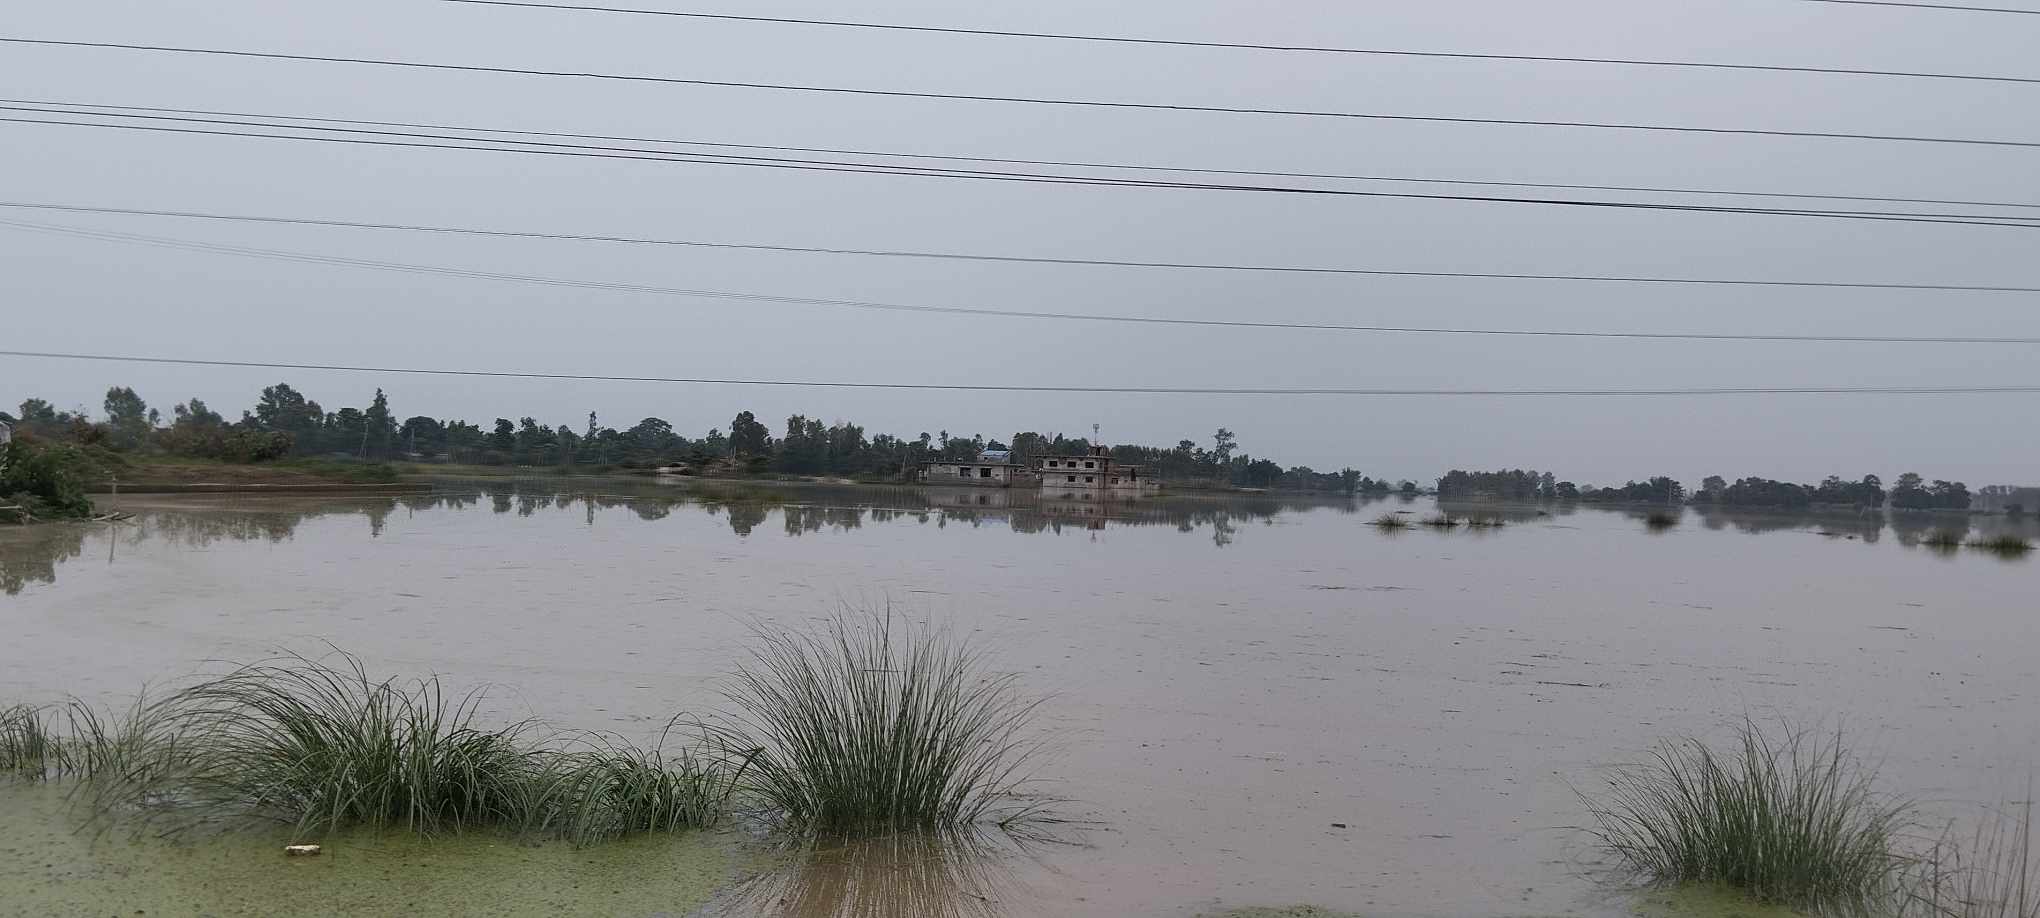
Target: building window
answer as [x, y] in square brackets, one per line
[1087, 479]
[1115, 479]
[984, 473]
[963, 471]
[1073, 478]
[1089, 464]
[1133, 474]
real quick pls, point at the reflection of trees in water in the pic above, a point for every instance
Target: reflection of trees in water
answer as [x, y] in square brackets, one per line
[1869, 526]
[1914, 528]
[31, 555]
[894, 877]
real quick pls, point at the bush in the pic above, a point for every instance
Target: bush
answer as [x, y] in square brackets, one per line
[48, 479]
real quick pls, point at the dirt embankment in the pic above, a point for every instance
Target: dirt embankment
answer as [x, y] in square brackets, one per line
[281, 478]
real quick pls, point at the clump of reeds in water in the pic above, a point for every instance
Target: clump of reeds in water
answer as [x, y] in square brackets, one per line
[1486, 522]
[27, 745]
[329, 747]
[1390, 521]
[875, 726]
[2007, 545]
[1994, 874]
[1441, 521]
[1792, 821]
[610, 788]
[1942, 540]
[1660, 520]
[326, 748]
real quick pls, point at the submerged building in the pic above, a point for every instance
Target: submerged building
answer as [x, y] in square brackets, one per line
[980, 474]
[1095, 470]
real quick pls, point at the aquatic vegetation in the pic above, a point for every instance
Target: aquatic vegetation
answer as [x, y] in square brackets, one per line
[1390, 521]
[26, 743]
[876, 727]
[1942, 538]
[612, 788]
[1792, 821]
[1660, 520]
[1441, 521]
[327, 747]
[2010, 546]
[1994, 874]
[1486, 522]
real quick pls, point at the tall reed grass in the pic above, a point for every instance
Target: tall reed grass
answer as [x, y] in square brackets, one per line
[2007, 545]
[1792, 821]
[872, 726]
[325, 747]
[1994, 874]
[1390, 521]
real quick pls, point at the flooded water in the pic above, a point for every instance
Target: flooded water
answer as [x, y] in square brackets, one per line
[1257, 701]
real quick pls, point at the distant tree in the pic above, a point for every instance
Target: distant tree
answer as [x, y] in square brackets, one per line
[1910, 493]
[282, 408]
[748, 437]
[1223, 444]
[127, 417]
[420, 434]
[36, 412]
[1261, 473]
[195, 413]
[381, 426]
[1407, 487]
[1349, 480]
[1566, 490]
[504, 438]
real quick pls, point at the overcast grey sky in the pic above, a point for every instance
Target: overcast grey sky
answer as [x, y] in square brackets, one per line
[68, 294]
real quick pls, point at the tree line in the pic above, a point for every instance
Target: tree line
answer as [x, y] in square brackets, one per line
[1909, 492]
[283, 423]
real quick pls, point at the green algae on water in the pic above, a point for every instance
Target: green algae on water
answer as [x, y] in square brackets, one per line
[48, 866]
[1293, 911]
[1706, 902]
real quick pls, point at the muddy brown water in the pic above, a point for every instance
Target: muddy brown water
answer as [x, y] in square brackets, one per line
[1258, 701]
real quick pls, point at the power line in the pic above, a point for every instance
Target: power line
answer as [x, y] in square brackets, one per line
[1930, 6]
[553, 148]
[1257, 173]
[1024, 100]
[988, 387]
[1001, 259]
[1250, 46]
[312, 258]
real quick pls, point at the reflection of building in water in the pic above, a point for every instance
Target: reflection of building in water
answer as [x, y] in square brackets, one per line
[983, 473]
[1095, 470]
[988, 499]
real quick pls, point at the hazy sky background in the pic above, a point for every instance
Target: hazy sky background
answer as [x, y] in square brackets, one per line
[67, 294]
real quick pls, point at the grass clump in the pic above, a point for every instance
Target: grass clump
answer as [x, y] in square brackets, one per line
[327, 748]
[1441, 521]
[1390, 521]
[611, 788]
[2008, 545]
[876, 727]
[27, 744]
[1791, 821]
